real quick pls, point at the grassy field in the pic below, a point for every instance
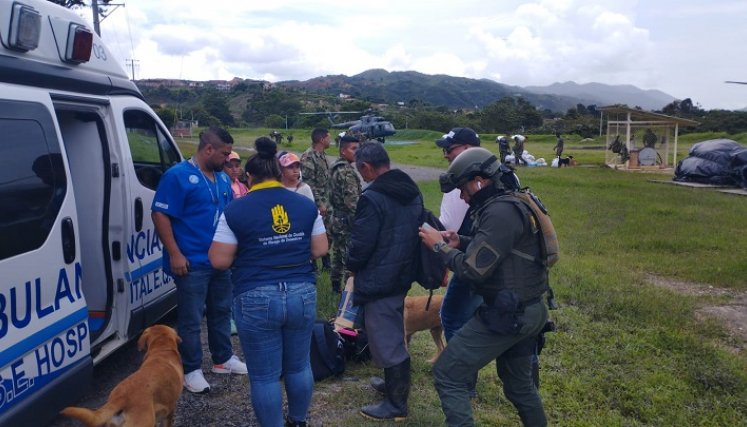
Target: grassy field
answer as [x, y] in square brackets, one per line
[627, 352]
[420, 148]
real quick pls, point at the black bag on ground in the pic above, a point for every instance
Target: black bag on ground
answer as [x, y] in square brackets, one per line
[356, 345]
[327, 351]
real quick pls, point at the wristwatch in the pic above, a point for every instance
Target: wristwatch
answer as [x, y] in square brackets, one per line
[438, 247]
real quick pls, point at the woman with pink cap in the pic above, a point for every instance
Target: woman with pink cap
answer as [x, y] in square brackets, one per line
[290, 166]
[233, 169]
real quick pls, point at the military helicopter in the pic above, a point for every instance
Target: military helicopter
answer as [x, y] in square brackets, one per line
[373, 127]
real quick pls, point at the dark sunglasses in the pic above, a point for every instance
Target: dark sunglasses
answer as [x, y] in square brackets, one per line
[451, 148]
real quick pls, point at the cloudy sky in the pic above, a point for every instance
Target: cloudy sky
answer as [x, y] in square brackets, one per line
[686, 48]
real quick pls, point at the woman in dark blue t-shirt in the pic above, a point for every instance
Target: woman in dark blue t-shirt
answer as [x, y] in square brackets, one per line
[268, 239]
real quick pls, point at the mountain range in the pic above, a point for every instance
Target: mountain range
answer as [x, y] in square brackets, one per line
[381, 86]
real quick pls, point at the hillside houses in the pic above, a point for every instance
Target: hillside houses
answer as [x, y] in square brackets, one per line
[222, 85]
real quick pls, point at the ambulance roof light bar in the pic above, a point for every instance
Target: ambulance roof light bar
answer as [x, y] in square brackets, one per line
[25, 28]
[79, 44]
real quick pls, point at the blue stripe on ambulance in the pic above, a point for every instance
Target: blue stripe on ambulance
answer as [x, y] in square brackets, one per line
[56, 349]
[44, 335]
[142, 271]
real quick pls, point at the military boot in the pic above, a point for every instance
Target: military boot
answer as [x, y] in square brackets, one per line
[336, 286]
[326, 263]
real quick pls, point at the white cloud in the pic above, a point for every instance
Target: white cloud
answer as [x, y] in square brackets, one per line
[397, 58]
[684, 47]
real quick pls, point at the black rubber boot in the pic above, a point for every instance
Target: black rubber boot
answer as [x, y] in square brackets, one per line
[378, 384]
[394, 405]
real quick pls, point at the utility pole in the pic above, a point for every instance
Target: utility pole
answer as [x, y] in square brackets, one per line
[132, 63]
[98, 13]
[95, 9]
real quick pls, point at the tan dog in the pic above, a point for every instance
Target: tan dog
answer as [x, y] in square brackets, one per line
[418, 319]
[147, 396]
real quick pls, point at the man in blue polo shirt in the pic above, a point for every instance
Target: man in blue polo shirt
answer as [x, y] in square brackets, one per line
[190, 198]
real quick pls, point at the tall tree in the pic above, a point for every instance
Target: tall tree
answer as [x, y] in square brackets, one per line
[216, 104]
[78, 3]
[69, 3]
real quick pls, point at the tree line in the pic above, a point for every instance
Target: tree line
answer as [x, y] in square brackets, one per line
[254, 104]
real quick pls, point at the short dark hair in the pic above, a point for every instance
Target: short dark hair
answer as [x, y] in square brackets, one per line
[217, 132]
[264, 165]
[318, 134]
[373, 153]
[348, 139]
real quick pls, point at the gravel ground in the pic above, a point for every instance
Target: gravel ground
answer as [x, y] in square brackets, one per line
[227, 404]
[422, 173]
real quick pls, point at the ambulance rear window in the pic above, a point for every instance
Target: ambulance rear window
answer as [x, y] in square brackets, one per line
[32, 179]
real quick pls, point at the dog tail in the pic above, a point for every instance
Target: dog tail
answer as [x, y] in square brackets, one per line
[89, 417]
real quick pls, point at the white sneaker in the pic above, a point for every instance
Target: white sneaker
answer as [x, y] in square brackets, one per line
[232, 366]
[195, 382]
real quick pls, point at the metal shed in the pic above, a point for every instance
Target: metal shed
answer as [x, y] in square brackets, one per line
[638, 139]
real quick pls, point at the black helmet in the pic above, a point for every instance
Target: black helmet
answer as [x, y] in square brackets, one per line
[467, 165]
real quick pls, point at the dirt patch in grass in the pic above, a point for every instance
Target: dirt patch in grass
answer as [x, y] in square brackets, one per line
[732, 313]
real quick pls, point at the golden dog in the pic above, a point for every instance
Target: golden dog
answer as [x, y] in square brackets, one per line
[149, 395]
[418, 319]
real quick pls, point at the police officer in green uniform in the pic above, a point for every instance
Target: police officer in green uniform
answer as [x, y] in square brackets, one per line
[506, 326]
[345, 189]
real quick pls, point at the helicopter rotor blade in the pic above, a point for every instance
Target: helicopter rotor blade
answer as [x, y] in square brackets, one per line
[329, 113]
[738, 83]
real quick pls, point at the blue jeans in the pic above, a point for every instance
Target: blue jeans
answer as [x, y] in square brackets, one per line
[204, 292]
[275, 323]
[458, 307]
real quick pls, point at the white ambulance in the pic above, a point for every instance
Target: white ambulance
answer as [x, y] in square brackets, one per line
[81, 154]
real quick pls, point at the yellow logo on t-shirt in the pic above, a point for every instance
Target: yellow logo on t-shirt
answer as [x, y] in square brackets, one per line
[280, 222]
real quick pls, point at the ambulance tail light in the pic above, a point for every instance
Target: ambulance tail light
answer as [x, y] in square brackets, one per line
[25, 28]
[79, 44]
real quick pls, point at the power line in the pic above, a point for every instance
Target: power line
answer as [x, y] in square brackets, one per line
[132, 63]
[100, 12]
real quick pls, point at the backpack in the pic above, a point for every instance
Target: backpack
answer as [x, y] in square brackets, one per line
[356, 345]
[327, 351]
[616, 145]
[431, 270]
[539, 218]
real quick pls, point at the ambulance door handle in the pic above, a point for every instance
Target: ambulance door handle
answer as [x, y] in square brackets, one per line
[68, 240]
[138, 214]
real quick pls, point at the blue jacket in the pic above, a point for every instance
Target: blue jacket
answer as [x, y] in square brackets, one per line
[384, 238]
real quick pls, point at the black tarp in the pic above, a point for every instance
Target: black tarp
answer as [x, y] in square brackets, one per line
[716, 161]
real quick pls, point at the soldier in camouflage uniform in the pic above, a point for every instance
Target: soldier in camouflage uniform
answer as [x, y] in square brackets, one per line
[345, 188]
[315, 172]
